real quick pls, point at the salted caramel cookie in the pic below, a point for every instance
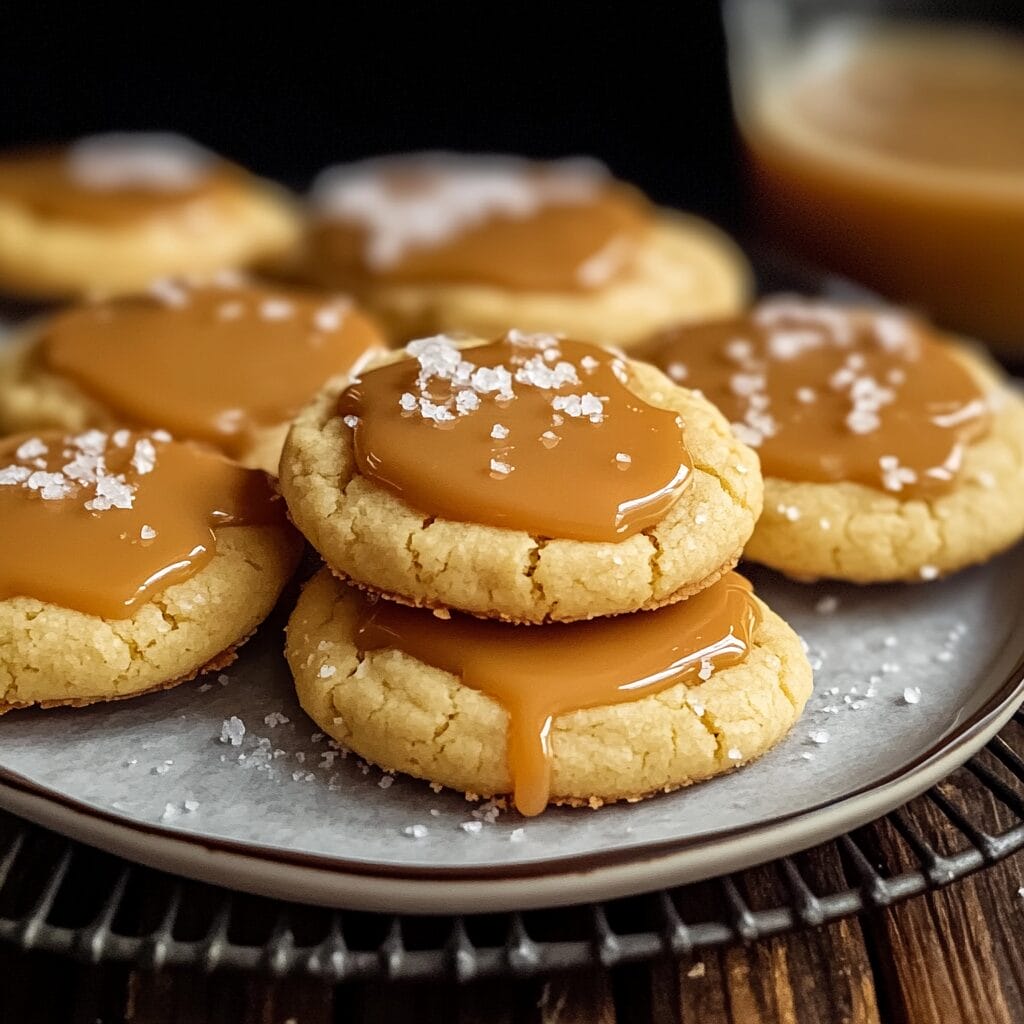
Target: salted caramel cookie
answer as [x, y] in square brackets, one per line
[529, 479]
[110, 213]
[440, 242]
[581, 713]
[889, 452]
[223, 361]
[128, 563]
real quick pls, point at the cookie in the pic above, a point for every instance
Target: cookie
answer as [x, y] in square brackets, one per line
[531, 479]
[223, 361]
[403, 712]
[110, 213]
[442, 242]
[129, 563]
[889, 451]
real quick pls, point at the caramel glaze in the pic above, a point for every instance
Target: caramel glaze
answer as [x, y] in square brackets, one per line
[478, 435]
[549, 246]
[214, 363]
[64, 538]
[829, 394]
[537, 673]
[41, 181]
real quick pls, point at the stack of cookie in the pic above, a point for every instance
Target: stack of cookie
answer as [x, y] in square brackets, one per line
[528, 586]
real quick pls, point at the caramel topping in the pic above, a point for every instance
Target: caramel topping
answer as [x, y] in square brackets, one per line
[828, 394]
[115, 179]
[538, 673]
[527, 433]
[215, 363]
[561, 226]
[102, 524]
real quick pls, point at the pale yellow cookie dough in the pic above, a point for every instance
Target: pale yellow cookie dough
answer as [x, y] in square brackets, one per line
[411, 717]
[687, 270]
[51, 655]
[34, 399]
[373, 538]
[44, 257]
[851, 532]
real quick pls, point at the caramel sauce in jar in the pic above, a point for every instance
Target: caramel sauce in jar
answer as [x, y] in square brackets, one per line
[828, 394]
[538, 673]
[103, 523]
[557, 227]
[895, 154]
[213, 362]
[530, 433]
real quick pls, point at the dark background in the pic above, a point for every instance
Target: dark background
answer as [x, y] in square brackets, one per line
[286, 92]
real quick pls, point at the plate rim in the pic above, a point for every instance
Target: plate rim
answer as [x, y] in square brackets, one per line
[551, 881]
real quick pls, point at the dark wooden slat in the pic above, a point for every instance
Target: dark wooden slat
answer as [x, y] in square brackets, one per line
[954, 955]
[820, 974]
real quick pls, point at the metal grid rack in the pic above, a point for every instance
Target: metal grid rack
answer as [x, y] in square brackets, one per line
[60, 896]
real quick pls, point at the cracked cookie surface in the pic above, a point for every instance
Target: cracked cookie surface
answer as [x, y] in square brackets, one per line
[852, 532]
[377, 541]
[407, 716]
[51, 655]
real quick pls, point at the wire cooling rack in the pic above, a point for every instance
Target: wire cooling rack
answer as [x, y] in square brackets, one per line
[60, 896]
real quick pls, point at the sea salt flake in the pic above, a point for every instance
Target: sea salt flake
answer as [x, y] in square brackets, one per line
[232, 731]
[819, 736]
[351, 421]
[276, 309]
[499, 468]
[147, 532]
[33, 448]
[327, 671]
[499, 432]
[827, 605]
[190, 805]
[929, 572]
[144, 456]
[11, 475]
[677, 372]
[517, 835]
[386, 781]
[276, 718]
[472, 827]
[735, 754]
[415, 831]
[912, 695]
[623, 459]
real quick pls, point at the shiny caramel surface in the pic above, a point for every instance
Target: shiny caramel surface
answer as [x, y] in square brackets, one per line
[828, 394]
[528, 433]
[115, 179]
[103, 523]
[560, 227]
[537, 673]
[213, 362]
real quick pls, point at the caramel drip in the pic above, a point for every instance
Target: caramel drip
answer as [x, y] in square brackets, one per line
[537, 673]
[587, 460]
[828, 394]
[211, 363]
[555, 245]
[106, 560]
[41, 181]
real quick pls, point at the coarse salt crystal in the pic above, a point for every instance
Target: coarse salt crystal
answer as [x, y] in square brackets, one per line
[351, 421]
[623, 459]
[147, 532]
[472, 827]
[819, 736]
[499, 468]
[517, 835]
[929, 572]
[408, 402]
[276, 309]
[232, 731]
[326, 671]
[735, 754]
[499, 432]
[415, 831]
[275, 718]
[33, 448]
[912, 695]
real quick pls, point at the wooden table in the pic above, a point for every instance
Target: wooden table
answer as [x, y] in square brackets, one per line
[950, 956]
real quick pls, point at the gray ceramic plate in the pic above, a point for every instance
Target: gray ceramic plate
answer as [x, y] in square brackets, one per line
[910, 681]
